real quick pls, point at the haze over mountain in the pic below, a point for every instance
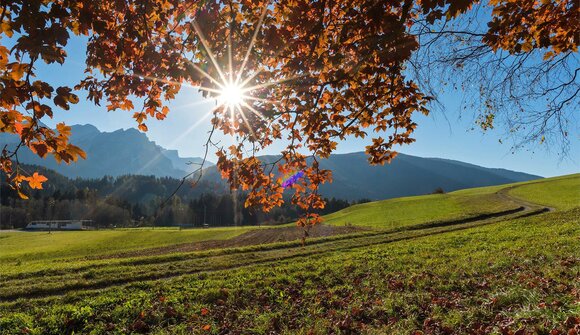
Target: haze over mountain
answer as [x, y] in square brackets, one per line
[124, 152]
[408, 175]
[116, 153]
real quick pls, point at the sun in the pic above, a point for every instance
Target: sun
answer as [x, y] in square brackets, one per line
[231, 87]
[232, 95]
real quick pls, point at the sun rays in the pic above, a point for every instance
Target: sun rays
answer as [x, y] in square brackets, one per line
[232, 91]
[230, 84]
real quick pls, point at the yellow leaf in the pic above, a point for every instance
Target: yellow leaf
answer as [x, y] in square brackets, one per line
[6, 28]
[22, 195]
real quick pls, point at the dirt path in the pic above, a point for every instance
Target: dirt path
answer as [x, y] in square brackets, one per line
[253, 237]
[504, 194]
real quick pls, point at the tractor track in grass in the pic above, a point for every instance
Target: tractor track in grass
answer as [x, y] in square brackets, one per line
[250, 238]
[504, 194]
[337, 244]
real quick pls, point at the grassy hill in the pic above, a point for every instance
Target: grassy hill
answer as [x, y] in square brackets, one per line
[562, 192]
[399, 212]
[419, 270]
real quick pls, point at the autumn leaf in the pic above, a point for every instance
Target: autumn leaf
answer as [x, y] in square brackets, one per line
[73, 98]
[17, 70]
[6, 29]
[21, 195]
[19, 127]
[63, 129]
[60, 101]
[35, 181]
[40, 149]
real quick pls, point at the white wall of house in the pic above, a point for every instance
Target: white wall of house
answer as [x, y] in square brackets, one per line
[38, 225]
[61, 225]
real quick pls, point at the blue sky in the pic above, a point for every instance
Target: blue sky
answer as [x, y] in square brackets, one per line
[443, 135]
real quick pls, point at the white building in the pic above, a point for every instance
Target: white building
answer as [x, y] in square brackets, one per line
[59, 225]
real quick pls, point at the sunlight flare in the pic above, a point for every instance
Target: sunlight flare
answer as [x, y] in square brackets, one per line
[231, 95]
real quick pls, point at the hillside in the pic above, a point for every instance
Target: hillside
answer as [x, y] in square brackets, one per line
[124, 152]
[354, 178]
[409, 175]
[563, 192]
[430, 277]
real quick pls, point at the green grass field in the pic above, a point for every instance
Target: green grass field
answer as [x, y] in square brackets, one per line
[29, 248]
[513, 274]
[562, 193]
[401, 212]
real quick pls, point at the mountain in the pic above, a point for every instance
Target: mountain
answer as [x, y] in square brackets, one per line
[187, 164]
[354, 178]
[124, 152]
[116, 153]
[407, 175]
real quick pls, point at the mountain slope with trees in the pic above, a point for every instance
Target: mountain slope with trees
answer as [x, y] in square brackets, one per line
[354, 179]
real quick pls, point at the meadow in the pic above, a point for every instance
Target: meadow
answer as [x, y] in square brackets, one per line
[28, 249]
[500, 259]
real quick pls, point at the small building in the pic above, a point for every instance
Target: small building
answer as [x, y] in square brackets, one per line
[59, 225]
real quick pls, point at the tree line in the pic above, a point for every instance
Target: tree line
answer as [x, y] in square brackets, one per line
[137, 201]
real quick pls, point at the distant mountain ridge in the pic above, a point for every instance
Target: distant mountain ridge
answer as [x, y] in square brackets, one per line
[410, 175]
[125, 152]
[354, 179]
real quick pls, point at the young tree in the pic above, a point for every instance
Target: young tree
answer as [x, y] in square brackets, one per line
[310, 73]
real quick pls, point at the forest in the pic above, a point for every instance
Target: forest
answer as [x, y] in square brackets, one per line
[138, 201]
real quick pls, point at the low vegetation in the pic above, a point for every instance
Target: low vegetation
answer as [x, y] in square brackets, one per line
[515, 273]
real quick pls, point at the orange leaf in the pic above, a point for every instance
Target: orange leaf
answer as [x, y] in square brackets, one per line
[22, 195]
[36, 180]
[17, 71]
[18, 127]
[206, 327]
[63, 129]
